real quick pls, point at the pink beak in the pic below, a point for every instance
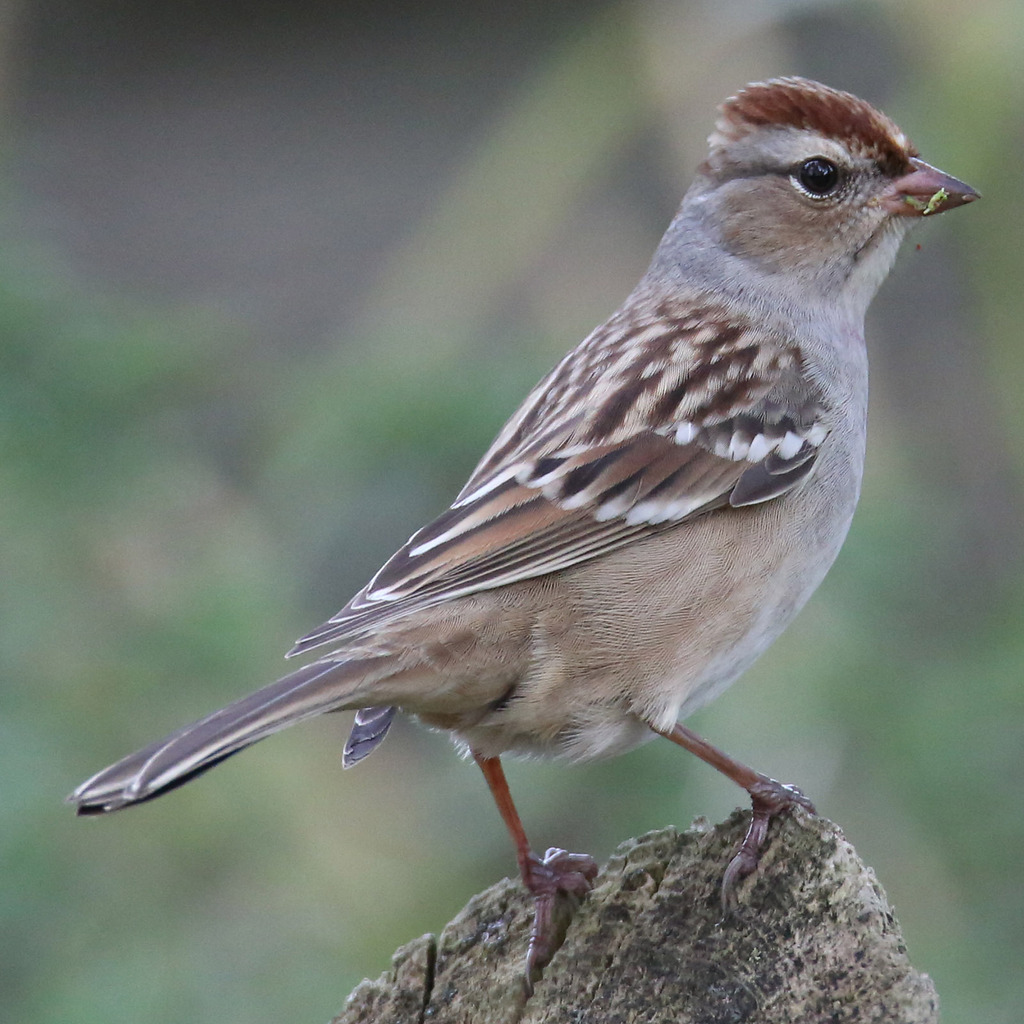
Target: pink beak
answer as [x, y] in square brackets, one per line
[926, 190]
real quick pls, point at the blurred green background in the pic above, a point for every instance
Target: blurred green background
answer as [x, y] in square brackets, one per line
[273, 274]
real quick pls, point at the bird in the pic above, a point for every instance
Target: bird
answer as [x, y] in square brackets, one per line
[653, 515]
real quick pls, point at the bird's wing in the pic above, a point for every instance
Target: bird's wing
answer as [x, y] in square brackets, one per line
[652, 420]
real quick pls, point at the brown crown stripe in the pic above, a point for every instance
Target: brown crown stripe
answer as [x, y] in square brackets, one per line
[806, 105]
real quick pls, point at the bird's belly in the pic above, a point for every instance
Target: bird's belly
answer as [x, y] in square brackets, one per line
[646, 635]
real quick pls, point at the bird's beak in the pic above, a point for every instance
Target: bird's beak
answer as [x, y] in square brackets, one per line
[924, 191]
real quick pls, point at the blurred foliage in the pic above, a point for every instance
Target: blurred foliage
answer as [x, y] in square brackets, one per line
[179, 503]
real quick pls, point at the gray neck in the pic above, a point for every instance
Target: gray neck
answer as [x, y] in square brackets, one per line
[692, 253]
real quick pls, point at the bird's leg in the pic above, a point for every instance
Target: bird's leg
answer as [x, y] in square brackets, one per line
[768, 798]
[557, 875]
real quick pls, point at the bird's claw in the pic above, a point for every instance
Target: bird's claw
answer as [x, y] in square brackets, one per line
[768, 799]
[557, 882]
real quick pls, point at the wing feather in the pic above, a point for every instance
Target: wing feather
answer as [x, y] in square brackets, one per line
[657, 417]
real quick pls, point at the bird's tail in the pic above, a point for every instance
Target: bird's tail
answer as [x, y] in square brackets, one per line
[322, 686]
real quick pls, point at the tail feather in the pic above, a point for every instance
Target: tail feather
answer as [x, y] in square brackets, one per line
[368, 732]
[184, 754]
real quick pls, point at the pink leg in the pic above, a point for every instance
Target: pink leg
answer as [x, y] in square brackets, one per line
[767, 796]
[558, 874]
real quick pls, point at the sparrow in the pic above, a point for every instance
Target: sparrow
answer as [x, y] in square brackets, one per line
[655, 513]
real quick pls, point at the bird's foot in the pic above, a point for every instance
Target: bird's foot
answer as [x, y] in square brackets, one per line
[768, 799]
[557, 882]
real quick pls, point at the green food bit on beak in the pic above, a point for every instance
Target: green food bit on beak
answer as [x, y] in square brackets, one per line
[937, 199]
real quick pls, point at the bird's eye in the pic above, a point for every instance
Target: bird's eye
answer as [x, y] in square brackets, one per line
[817, 176]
